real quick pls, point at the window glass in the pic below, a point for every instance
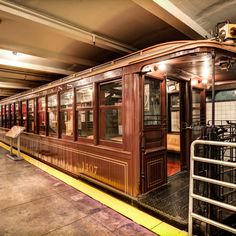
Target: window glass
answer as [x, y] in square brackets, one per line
[41, 115]
[3, 116]
[31, 115]
[12, 114]
[66, 99]
[8, 120]
[66, 122]
[66, 117]
[85, 123]
[23, 112]
[84, 97]
[17, 117]
[0, 116]
[111, 93]
[52, 114]
[110, 118]
[152, 101]
[52, 101]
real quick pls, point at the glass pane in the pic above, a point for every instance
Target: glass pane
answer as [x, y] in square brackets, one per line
[84, 97]
[66, 122]
[85, 124]
[152, 101]
[41, 121]
[31, 105]
[52, 101]
[17, 117]
[66, 99]
[111, 93]
[31, 122]
[12, 108]
[23, 111]
[53, 123]
[3, 116]
[111, 124]
[41, 104]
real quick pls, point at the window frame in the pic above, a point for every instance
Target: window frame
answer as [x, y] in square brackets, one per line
[51, 134]
[40, 132]
[60, 110]
[101, 107]
[28, 114]
[91, 108]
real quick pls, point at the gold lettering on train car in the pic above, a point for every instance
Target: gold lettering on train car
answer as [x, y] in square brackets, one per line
[89, 168]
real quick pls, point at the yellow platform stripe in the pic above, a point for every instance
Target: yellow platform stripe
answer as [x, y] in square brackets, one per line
[153, 224]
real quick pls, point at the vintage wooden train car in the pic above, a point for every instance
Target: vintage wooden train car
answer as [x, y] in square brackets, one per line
[113, 124]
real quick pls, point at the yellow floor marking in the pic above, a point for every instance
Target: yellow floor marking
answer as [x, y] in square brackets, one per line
[138, 216]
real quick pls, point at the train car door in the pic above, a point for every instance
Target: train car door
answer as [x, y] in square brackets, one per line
[193, 117]
[153, 141]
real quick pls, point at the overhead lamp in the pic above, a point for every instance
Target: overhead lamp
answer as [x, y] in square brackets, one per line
[205, 81]
[162, 66]
[194, 82]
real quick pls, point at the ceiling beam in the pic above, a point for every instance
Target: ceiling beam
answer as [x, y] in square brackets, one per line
[8, 92]
[39, 52]
[22, 75]
[18, 85]
[36, 67]
[168, 12]
[65, 28]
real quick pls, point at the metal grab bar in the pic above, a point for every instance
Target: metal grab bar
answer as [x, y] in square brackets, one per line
[208, 180]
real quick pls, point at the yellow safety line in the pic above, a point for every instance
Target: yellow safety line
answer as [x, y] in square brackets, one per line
[153, 224]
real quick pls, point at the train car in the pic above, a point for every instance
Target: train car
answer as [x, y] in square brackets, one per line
[121, 124]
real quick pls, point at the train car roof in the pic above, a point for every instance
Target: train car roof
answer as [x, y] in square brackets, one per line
[170, 49]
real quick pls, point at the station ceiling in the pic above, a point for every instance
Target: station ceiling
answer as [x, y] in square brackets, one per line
[44, 40]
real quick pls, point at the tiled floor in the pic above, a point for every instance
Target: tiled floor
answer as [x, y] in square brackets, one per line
[33, 202]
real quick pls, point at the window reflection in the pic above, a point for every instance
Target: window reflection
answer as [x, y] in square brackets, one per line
[23, 112]
[66, 114]
[111, 93]
[110, 116]
[17, 116]
[152, 101]
[31, 115]
[12, 115]
[52, 114]
[84, 97]
[41, 115]
[0, 116]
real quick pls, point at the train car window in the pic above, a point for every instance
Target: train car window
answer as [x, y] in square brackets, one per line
[12, 114]
[0, 116]
[31, 117]
[152, 101]
[52, 114]
[84, 111]
[66, 113]
[41, 115]
[110, 111]
[8, 116]
[24, 114]
[17, 116]
[3, 116]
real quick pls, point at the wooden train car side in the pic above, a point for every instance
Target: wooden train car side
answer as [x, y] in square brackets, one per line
[108, 124]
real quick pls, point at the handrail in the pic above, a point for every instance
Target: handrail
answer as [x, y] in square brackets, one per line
[208, 180]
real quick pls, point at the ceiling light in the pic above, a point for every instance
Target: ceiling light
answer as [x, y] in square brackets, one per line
[162, 66]
[194, 82]
[204, 81]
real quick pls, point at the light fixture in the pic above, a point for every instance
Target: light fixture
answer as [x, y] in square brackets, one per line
[162, 66]
[194, 82]
[204, 81]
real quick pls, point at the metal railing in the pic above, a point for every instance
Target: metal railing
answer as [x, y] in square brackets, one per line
[196, 177]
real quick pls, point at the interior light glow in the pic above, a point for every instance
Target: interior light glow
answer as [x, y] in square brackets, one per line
[194, 82]
[204, 81]
[162, 66]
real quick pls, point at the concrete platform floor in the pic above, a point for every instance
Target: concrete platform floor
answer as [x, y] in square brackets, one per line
[32, 202]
